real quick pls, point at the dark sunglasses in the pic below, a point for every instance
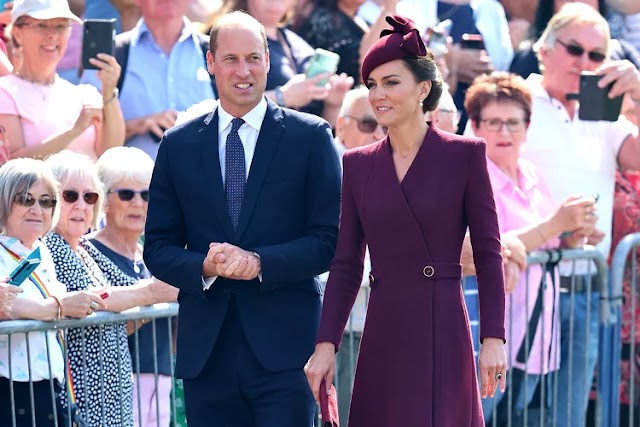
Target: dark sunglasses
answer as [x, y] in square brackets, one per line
[71, 196]
[578, 51]
[126, 194]
[366, 124]
[45, 202]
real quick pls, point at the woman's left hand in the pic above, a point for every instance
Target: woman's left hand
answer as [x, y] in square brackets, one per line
[108, 73]
[493, 364]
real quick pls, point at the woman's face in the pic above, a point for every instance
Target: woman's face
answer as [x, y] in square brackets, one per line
[76, 215]
[503, 126]
[269, 12]
[29, 223]
[43, 40]
[394, 93]
[127, 215]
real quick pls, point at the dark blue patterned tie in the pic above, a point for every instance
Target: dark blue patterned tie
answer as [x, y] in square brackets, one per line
[235, 172]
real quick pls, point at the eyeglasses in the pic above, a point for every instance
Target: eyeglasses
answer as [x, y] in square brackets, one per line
[495, 125]
[447, 115]
[366, 124]
[577, 51]
[126, 194]
[43, 28]
[27, 200]
[71, 196]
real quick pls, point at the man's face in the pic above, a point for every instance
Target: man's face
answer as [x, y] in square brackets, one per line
[240, 64]
[359, 126]
[561, 68]
[162, 9]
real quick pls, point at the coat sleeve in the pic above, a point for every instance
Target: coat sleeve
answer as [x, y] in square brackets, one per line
[480, 211]
[165, 232]
[345, 275]
[310, 254]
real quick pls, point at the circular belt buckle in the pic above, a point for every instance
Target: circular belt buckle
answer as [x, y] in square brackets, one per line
[428, 271]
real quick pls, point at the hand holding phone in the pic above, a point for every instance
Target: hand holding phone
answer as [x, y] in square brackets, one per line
[25, 267]
[98, 36]
[323, 61]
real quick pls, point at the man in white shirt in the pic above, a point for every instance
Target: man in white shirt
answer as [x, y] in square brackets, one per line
[579, 157]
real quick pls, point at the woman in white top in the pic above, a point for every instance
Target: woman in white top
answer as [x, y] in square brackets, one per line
[28, 210]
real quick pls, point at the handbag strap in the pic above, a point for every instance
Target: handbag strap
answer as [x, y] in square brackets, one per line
[42, 288]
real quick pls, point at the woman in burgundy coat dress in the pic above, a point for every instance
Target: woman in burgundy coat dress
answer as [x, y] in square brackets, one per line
[410, 197]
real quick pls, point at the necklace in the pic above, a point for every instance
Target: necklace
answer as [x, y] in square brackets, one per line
[42, 89]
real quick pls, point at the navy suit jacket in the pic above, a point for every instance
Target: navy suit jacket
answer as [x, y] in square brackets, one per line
[289, 217]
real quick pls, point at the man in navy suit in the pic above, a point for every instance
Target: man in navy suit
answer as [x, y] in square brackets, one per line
[243, 215]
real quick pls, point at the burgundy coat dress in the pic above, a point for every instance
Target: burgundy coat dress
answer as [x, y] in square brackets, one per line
[416, 367]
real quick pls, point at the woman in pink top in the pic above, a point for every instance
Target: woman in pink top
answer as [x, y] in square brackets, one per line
[499, 107]
[44, 114]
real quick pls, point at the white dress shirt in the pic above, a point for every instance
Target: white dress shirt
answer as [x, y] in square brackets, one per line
[248, 133]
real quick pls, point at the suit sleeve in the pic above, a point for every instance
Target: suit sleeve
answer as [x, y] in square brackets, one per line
[480, 211]
[165, 233]
[345, 276]
[311, 254]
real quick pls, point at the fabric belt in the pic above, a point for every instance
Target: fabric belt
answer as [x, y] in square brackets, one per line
[431, 271]
[581, 283]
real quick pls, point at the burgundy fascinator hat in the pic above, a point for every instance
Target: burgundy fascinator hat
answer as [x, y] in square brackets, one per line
[400, 41]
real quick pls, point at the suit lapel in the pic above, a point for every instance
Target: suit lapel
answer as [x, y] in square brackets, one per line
[212, 176]
[270, 133]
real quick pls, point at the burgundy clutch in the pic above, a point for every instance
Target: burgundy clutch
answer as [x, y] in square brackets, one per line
[328, 406]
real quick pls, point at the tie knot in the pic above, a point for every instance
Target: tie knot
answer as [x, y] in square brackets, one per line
[236, 123]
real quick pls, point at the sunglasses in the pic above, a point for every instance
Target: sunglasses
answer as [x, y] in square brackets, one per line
[367, 124]
[27, 200]
[71, 196]
[577, 51]
[126, 194]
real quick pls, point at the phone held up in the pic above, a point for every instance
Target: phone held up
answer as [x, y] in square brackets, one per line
[25, 268]
[98, 36]
[323, 61]
[595, 103]
[472, 41]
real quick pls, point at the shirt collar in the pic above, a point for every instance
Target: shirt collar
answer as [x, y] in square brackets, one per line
[500, 181]
[187, 30]
[253, 118]
[534, 81]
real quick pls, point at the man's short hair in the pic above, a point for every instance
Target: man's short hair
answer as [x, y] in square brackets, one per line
[351, 97]
[236, 18]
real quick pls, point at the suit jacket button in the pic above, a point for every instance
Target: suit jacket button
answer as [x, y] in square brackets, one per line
[428, 271]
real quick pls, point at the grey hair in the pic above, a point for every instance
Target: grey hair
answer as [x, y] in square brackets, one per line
[68, 165]
[18, 176]
[124, 163]
[351, 97]
[569, 14]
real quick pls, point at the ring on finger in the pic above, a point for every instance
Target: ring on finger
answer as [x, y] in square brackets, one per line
[89, 312]
[498, 376]
[93, 306]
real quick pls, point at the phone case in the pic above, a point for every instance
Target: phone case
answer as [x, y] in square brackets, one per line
[98, 36]
[323, 61]
[595, 104]
[25, 268]
[472, 41]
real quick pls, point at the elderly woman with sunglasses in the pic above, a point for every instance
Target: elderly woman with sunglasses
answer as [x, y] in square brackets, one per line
[28, 210]
[99, 356]
[125, 173]
[43, 113]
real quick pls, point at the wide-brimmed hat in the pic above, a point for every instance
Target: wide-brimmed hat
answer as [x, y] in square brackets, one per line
[42, 9]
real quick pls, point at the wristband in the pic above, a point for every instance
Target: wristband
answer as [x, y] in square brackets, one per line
[59, 315]
[113, 97]
[279, 96]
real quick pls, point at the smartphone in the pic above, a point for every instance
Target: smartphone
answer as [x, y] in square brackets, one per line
[472, 41]
[595, 104]
[25, 268]
[98, 36]
[323, 61]
[436, 38]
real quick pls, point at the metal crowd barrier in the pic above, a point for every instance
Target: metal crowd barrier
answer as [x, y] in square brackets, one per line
[624, 266]
[155, 313]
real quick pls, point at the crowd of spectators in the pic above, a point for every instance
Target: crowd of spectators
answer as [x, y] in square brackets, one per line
[77, 150]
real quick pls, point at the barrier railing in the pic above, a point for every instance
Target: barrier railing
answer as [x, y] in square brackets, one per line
[92, 326]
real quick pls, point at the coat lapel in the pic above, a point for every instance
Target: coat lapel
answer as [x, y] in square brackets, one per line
[270, 133]
[212, 176]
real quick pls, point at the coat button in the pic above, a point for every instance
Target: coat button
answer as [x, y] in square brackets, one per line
[428, 271]
[371, 279]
